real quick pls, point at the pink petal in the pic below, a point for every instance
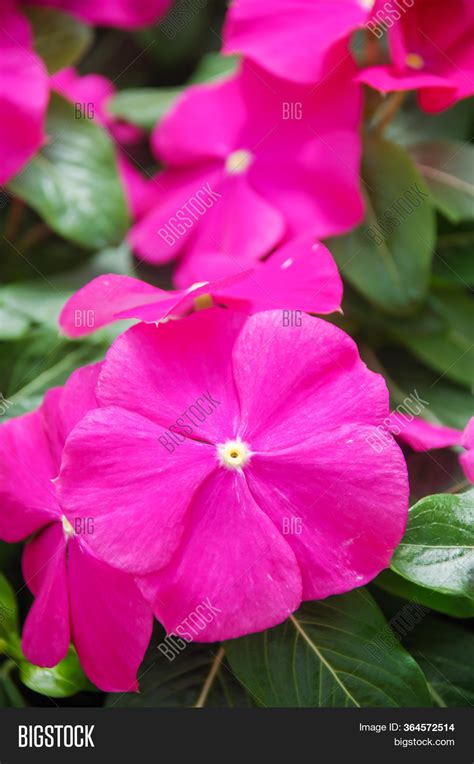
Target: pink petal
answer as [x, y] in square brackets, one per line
[136, 186]
[328, 496]
[117, 471]
[421, 435]
[127, 14]
[184, 370]
[46, 635]
[297, 375]
[64, 407]
[301, 275]
[235, 233]
[161, 234]
[233, 568]
[290, 38]
[27, 467]
[175, 143]
[23, 93]
[110, 621]
[104, 298]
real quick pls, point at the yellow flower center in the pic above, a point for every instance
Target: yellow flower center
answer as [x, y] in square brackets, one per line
[234, 454]
[67, 527]
[238, 161]
[414, 61]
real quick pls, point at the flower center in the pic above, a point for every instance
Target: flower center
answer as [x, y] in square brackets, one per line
[367, 4]
[238, 161]
[67, 527]
[414, 61]
[233, 454]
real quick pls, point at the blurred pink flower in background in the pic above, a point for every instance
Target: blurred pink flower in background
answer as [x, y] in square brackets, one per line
[128, 14]
[24, 93]
[432, 51]
[275, 159]
[76, 596]
[285, 440]
[299, 276]
[292, 38]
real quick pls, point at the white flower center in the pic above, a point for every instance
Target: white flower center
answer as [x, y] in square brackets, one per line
[67, 527]
[238, 161]
[414, 61]
[233, 454]
[367, 4]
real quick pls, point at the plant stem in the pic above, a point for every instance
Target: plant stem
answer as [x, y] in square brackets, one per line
[210, 678]
[386, 112]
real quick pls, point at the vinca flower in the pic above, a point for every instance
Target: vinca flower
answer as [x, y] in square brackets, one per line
[231, 463]
[77, 597]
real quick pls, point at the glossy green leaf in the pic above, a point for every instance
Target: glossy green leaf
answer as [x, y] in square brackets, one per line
[449, 604]
[437, 550]
[325, 655]
[213, 66]
[448, 168]
[445, 651]
[63, 680]
[143, 106]
[59, 39]
[388, 257]
[73, 182]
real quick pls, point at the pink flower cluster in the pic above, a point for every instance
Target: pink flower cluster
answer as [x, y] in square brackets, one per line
[218, 463]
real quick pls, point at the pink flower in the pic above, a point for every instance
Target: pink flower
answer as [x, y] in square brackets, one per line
[92, 92]
[432, 51]
[421, 435]
[467, 458]
[293, 39]
[23, 93]
[128, 14]
[251, 161]
[300, 276]
[231, 467]
[77, 596]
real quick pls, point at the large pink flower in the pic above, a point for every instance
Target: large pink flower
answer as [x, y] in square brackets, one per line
[250, 161]
[23, 93]
[299, 276]
[231, 467]
[77, 596]
[292, 38]
[128, 14]
[432, 51]
[93, 92]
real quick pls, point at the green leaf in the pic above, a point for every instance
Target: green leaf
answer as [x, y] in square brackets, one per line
[388, 257]
[213, 66]
[448, 168]
[8, 609]
[143, 106]
[448, 403]
[73, 181]
[437, 550]
[411, 125]
[323, 656]
[445, 651]
[443, 335]
[10, 697]
[59, 39]
[63, 680]
[12, 325]
[458, 607]
[180, 682]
